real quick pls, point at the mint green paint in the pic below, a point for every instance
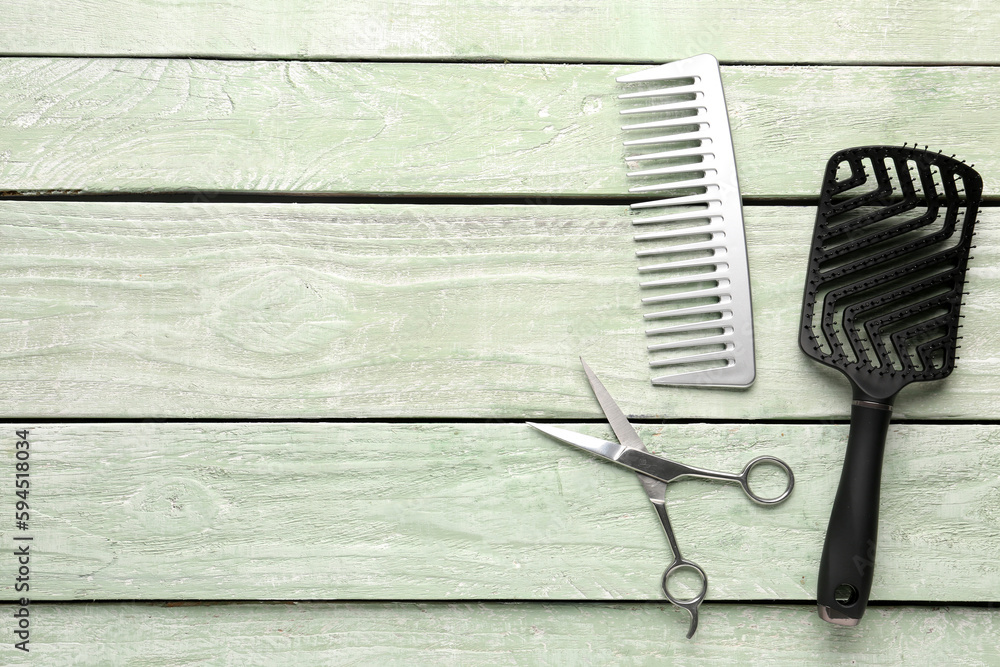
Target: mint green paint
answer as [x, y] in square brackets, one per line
[472, 511]
[349, 311]
[129, 125]
[141, 635]
[782, 31]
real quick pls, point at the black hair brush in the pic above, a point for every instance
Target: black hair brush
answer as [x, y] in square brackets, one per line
[882, 297]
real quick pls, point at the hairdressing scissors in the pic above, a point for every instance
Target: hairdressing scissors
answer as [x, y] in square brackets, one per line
[654, 473]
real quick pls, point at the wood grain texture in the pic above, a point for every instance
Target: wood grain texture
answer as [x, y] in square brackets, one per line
[144, 635]
[349, 311]
[438, 511]
[583, 30]
[121, 125]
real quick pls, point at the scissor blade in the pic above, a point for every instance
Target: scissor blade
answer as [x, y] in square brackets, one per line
[654, 488]
[619, 422]
[602, 448]
[626, 434]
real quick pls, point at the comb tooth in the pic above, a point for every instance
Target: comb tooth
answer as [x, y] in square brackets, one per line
[678, 217]
[661, 92]
[678, 233]
[697, 135]
[732, 375]
[685, 263]
[720, 355]
[696, 119]
[700, 151]
[721, 272]
[686, 105]
[703, 198]
[720, 339]
[691, 310]
[715, 243]
[706, 163]
[706, 213]
[694, 326]
[709, 177]
[692, 294]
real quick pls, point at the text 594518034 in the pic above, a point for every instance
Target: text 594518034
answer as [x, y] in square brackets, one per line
[22, 540]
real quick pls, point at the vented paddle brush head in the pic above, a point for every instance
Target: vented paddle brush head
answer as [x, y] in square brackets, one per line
[887, 266]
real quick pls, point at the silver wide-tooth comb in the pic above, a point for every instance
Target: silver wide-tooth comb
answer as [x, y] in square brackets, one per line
[706, 248]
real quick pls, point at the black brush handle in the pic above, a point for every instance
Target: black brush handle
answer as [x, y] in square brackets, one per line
[848, 563]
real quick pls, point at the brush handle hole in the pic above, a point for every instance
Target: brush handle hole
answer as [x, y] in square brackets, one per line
[846, 595]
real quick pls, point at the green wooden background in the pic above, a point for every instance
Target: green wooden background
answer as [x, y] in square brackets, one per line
[282, 281]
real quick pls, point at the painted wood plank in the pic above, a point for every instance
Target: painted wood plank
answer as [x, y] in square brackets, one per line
[350, 311]
[146, 635]
[123, 125]
[583, 30]
[450, 634]
[237, 511]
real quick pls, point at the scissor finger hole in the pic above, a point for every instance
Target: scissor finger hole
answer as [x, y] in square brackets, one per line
[685, 584]
[768, 480]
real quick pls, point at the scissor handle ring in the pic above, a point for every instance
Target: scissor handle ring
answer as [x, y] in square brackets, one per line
[761, 460]
[690, 604]
[677, 566]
